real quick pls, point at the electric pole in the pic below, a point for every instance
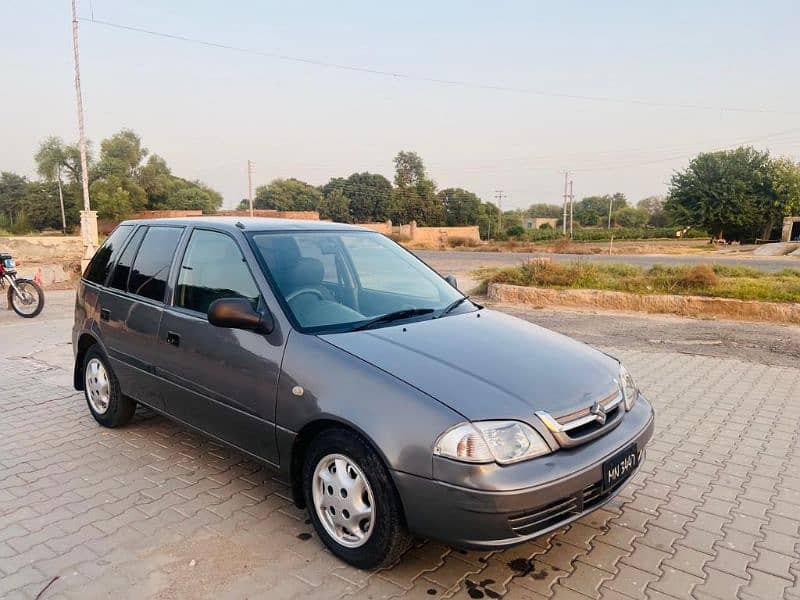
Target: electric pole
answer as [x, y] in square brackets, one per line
[88, 216]
[61, 201]
[610, 207]
[250, 169]
[566, 196]
[571, 205]
[499, 195]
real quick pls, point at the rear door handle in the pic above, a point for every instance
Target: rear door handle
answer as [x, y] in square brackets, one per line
[105, 314]
[173, 338]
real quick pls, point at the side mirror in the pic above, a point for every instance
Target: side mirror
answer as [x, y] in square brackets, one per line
[238, 313]
[451, 279]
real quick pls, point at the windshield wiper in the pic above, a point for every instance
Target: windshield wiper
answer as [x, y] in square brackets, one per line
[392, 316]
[453, 305]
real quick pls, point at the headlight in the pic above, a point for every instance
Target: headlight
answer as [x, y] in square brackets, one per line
[629, 389]
[487, 441]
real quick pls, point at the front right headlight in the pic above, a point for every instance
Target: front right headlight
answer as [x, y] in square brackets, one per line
[629, 389]
[504, 442]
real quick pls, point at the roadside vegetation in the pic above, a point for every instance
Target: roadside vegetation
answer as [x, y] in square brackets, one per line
[722, 281]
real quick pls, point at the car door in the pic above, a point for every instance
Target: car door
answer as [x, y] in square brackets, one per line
[130, 309]
[221, 380]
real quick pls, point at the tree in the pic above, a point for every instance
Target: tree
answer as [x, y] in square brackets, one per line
[13, 189]
[121, 154]
[336, 207]
[460, 207]
[630, 217]
[733, 194]
[414, 198]
[409, 169]
[369, 195]
[593, 210]
[513, 219]
[549, 211]
[287, 194]
[654, 205]
[489, 220]
[42, 208]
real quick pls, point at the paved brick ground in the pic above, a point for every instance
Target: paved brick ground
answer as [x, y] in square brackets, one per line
[153, 510]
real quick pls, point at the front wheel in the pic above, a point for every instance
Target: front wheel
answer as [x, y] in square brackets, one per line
[352, 501]
[27, 299]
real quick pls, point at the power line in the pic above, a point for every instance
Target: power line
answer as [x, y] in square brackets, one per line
[436, 80]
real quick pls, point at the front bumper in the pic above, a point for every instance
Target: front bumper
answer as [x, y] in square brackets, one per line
[522, 501]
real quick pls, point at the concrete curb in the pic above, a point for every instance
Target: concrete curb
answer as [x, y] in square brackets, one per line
[693, 306]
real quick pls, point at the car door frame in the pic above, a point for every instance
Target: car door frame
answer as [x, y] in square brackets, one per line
[278, 336]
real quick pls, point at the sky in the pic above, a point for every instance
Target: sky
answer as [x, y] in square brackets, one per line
[533, 98]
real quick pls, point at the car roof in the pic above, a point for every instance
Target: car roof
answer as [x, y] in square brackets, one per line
[250, 223]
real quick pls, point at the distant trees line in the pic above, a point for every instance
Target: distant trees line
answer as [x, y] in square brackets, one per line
[737, 194]
[123, 179]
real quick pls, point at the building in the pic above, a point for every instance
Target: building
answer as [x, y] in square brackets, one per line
[538, 222]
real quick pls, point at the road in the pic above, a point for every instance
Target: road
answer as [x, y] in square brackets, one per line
[154, 510]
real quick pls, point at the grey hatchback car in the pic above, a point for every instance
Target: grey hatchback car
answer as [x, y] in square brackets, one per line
[393, 404]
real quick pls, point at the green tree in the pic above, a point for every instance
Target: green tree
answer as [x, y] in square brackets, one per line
[116, 198]
[593, 210]
[730, 193]
[13, 189]
[287, 194]
[489, 220]
[121, 155]
[654, 205]
[513, 219]
[335, 206]
[460, 207]
[414, 198]
[156, 179]
[369, 195]
[542, 210]
[630, 217]
[42, 208]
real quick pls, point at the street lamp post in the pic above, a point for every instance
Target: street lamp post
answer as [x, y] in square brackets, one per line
[88, 216]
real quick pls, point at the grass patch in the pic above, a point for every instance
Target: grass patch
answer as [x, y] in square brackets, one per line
[723, 281]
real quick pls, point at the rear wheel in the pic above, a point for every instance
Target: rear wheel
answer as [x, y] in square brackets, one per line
[101, 388]
[27, 300]
[352, 502]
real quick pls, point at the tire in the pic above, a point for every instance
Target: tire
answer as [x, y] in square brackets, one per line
[101, 389]
[34, 289]
[387, 537]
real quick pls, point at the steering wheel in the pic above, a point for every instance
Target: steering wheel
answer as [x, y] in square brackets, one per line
[306, 290]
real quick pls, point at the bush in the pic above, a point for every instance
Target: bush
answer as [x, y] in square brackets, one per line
[462, 242]
[515, 231]
[699, 276]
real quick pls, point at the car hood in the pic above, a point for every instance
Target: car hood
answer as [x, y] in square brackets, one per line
[488, 365]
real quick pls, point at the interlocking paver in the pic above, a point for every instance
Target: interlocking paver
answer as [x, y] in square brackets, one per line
[714, 512]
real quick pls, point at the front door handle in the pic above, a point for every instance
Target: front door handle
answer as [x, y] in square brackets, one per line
[105, 314]
[173, 338]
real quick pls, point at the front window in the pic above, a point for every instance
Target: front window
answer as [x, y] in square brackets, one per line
[346, 280]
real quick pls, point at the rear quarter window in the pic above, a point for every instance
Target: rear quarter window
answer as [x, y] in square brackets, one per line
[98, 268]
[150, 270]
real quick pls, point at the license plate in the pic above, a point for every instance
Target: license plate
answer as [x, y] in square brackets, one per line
[620, 466]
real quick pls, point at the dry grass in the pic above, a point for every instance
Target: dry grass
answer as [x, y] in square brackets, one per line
[742, 283]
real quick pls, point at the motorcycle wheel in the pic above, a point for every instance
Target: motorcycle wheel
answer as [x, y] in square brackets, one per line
[30, 302]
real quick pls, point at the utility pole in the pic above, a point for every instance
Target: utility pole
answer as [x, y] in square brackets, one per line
[499, 195]
[61, 200]
[571, 205]
[566, 196]
[610, 207]
[88, 216]
[250, 169]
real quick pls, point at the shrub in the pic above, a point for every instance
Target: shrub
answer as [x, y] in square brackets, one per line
[699, 276]
[462, 242]
[515, 231]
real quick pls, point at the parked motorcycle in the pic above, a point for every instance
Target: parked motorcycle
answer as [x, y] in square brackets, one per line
[25, 296]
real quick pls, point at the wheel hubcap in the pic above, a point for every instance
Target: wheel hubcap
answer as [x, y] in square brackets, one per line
[97, 386]
[343, 500]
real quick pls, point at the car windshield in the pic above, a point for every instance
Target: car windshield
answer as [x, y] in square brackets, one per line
[347, 280]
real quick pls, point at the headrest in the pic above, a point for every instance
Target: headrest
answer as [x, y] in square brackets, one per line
[305, 272]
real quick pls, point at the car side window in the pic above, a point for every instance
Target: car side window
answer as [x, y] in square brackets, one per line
[97, 271]
[213, 268]
[119, 280]
[151, 268]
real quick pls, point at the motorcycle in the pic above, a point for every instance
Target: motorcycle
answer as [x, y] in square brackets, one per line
[25, 296]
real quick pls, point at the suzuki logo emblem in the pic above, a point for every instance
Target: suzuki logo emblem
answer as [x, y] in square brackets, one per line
[599, 413]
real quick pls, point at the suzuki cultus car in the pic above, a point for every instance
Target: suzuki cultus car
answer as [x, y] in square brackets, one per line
[393, 404]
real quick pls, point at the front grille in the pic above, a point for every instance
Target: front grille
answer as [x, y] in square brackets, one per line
[585, 425]
[563, 509]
